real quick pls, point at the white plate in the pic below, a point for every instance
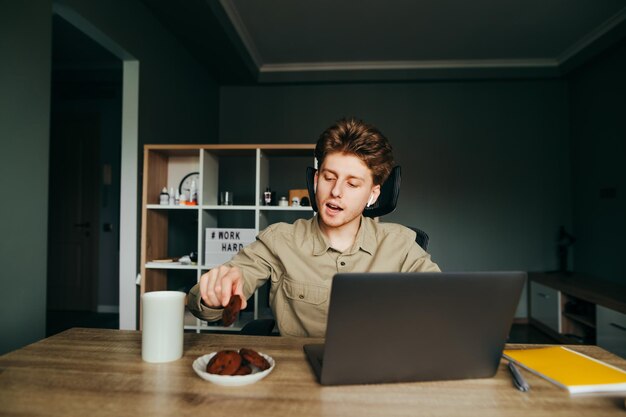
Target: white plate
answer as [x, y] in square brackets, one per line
[199, 365]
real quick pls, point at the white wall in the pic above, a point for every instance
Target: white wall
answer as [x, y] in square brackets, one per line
[485, 164]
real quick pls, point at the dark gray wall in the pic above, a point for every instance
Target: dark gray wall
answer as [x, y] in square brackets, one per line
[98, 92]
[24, 130]
[486, 165]
[598, 108]
[178, 99]
[178, 103]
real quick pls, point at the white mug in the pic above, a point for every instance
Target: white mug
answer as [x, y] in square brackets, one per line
[162, 326]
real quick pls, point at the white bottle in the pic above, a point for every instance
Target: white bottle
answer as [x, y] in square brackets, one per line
[193, 194]
[172, 201]
[164, 197]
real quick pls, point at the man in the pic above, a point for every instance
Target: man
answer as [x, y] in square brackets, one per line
[301, 259]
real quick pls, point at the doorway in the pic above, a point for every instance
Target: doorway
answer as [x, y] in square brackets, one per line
[84, 191]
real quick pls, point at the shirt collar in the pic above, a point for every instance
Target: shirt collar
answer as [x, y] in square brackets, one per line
[320, 244]
[365, 238]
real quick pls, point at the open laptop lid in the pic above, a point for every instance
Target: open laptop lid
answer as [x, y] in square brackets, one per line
[394, 327]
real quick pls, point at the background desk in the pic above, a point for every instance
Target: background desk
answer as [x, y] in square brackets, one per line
[573, 308]
[96, 372]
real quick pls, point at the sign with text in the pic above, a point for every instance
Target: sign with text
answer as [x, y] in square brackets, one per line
[221, 244]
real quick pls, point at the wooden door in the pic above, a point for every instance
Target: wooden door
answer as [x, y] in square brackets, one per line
[73, 212]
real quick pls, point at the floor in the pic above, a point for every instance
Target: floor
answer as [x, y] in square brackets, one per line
[57, 321]
[525, 333]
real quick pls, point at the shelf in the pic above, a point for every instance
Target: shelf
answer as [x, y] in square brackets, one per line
[169, 265]
[168, 207]
[287, 208]
[245, 207]
[217, 207]
[579, 318]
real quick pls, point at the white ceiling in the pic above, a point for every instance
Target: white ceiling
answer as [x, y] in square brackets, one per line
[380, 40]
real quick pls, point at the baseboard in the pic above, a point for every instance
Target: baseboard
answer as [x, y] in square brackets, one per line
[108, 309]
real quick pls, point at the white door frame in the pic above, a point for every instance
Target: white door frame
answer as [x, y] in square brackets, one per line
[128, 196]
[129, 164]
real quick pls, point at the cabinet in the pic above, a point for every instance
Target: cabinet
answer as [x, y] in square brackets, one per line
[170, 231]
[544, 305]
[579, 309]
[611, 327]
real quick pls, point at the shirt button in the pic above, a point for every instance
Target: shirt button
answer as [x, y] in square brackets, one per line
[301, 296]
[343, 263]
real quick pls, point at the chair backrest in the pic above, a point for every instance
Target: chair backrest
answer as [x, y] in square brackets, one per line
[385, 204]
[421, 237]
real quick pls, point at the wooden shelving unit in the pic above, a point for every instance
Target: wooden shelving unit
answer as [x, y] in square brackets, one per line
[172, 231]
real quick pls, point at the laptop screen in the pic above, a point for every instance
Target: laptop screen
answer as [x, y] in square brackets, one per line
[392, 327]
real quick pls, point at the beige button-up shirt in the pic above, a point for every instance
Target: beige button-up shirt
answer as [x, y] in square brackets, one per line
[300, 264]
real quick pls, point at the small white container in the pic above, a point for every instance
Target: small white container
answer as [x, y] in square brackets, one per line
[164, 197]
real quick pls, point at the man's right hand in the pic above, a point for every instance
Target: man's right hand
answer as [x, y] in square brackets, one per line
[217, 286]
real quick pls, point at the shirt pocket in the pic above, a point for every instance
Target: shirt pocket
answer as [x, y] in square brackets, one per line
[304, 292]
[304, 310]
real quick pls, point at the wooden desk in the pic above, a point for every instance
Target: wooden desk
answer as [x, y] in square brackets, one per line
[96, 372]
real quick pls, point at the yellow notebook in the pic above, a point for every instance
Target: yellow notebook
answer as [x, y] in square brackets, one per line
[571, 370]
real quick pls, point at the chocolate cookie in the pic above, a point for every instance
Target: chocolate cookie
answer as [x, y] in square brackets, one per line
[243, 370]
[231, 311]
[224, 362]
[254, 358]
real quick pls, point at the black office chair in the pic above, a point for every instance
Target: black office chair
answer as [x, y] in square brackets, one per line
[258, 327]
[385, 204]
[421, 237]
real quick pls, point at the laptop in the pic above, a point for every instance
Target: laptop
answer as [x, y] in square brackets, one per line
[405, 327]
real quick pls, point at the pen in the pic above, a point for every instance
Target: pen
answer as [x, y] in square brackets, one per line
[518, 379]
